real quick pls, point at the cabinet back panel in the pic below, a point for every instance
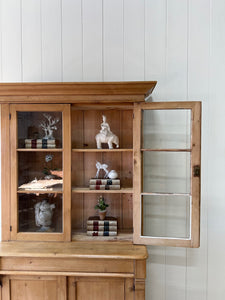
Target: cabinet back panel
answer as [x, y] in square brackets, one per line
[84, 167]
[86, 124]
[120, 207]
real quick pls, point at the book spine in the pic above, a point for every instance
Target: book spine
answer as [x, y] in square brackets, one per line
[39, 141]
[39, 146]
[101, 228]
[102, 223]
[102, 233]
[104, 187]
[104, 181]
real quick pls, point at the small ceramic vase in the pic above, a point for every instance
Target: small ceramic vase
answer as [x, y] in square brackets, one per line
[102, 214]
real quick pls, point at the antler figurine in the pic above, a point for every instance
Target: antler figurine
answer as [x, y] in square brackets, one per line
[49, 126]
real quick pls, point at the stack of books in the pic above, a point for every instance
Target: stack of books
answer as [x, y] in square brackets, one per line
[40, 143]
[97, 227]
[104, 184]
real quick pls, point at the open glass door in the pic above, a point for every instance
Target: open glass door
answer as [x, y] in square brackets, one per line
[167, 173]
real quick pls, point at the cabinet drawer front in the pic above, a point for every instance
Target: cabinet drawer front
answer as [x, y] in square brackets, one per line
[67, 265]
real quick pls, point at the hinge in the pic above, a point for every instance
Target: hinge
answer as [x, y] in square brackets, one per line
[133, 115]
[9, 116]
[133, 287]
[0, 283]
[196, 171]
[10, 228]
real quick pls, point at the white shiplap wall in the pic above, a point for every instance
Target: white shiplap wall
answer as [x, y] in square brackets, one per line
[179, 43]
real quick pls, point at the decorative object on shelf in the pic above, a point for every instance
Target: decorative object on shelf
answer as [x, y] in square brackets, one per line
[49, 157]
[104, 187]
[43, 215]
[110, 174]
[103, 167]
[48, 171]
[40, 144]
[97, 227]
[58, 173]
[42, 184]
[49, 126]
[101, 206]
[105, 184]
[106, 136]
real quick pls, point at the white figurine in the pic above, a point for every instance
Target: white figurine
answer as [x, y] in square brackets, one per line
[110, 174]
[106, 136]
[49, 126]
[99, 167]
[43, 215]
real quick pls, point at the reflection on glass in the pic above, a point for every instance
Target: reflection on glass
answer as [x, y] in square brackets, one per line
[166, 172]
[166, 216]
[166, 129]
[39, 130]
[40, 213]
[40, 170]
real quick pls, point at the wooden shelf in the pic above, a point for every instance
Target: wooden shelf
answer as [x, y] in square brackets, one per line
[39, 150]
[43, 191]
[102, 150]
[121, 237]
[87, 190]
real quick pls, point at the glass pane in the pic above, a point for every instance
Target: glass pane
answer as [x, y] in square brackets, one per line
[39, 129]
[40, 170]
[166, 216]
[166, 129]
[40, 213]
[166, 172]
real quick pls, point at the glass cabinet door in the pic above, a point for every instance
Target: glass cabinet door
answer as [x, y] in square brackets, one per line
[167, 173]
[40, 165]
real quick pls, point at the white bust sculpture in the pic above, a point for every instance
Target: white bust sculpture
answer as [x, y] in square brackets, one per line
[106, 136]
[43, 215]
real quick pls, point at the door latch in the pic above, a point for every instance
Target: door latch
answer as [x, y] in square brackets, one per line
[196, 171]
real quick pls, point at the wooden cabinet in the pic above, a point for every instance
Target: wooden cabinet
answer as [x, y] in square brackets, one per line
[157, 203]
[81, 288]
[34, 287]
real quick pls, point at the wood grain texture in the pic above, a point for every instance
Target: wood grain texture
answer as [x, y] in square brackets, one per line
[67, 173]
[73, 250]
[143, 88]
[98, 288]
[196, 180]
[5, 176]
[33, 287]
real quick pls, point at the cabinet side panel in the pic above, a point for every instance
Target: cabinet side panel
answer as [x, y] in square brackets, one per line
[5, 288]
[5, 173]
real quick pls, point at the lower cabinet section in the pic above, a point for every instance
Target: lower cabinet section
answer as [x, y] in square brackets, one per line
[72, 271]
[66, 288]
[34, 288]
[83, 288]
